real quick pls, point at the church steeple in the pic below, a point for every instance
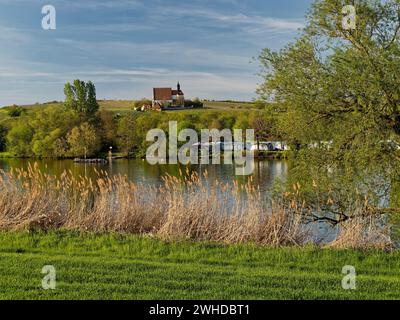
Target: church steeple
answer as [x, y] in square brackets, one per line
[178, 87]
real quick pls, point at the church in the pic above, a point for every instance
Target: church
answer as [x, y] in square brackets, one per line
[165, 98]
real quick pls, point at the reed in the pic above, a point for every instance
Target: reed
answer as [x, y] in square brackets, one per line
[190, 207]
[366, 232]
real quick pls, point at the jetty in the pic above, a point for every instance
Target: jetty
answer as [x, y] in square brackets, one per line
[91, 161]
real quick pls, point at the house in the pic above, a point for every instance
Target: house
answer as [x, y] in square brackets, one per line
[168, 97]
[270, 146]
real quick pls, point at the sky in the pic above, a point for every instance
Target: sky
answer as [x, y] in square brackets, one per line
[127, 47]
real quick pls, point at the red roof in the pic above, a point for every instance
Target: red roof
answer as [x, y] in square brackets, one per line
[162, 94]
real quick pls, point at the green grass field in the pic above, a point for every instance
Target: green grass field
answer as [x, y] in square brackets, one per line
[128, 267]
[127, 105]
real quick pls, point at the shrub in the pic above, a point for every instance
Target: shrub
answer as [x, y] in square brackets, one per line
[15, 111]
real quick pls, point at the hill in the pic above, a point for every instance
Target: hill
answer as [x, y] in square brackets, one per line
[127, 105]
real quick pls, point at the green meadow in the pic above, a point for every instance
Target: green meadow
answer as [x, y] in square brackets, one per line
[113, 266]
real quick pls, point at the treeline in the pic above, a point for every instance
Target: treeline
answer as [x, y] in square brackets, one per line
[133, 127]
[80, 128]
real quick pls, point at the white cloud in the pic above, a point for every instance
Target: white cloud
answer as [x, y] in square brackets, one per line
[162, 52]
[27, 86]
[238, 19]
[12, 35]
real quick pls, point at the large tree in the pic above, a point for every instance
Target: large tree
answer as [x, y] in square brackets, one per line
[340, 88]
[81, 97]
[83, 141]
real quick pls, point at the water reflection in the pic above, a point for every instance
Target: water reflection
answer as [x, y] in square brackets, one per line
[266, 172]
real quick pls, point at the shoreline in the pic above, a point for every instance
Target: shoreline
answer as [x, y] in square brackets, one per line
[265, 155]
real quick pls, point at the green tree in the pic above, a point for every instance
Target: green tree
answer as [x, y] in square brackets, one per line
[340, 89]
[19, 139]
[83, 141]
[15, 111]
[81, 97]
[49, 125]
[108, 128]
[342, 85]
[128, 137]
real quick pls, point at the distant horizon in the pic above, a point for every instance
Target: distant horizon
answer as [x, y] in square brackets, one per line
[128, 47]
[117, 99]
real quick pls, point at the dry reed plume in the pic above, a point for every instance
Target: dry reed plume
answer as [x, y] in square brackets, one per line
[190, 208]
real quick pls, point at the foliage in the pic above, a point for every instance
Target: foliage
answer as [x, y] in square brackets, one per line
[196, 103]
[133, 127]
[127, 133]
[83, 141]
[15, 111]
[19, 139]
[3, 135]
[43, 131]
[81, 97]
[107, 129]
[341, 90]
[50, 126]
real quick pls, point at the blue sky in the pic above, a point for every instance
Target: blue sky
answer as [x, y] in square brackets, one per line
[127, 47]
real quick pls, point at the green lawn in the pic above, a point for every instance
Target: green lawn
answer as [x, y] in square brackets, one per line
[129, 267]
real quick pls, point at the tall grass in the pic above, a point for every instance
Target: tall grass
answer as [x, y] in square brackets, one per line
[182, 208]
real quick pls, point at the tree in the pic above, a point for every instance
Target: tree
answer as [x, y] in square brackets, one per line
[81, 97]
[15, 111]
[3, 135]
[195, 103]
[49, 125]
[108, 128]
[83, 141]
[341, 86]
[43, 144]
[19, 139]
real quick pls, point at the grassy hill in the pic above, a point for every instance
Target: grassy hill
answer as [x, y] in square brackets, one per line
[127, 105]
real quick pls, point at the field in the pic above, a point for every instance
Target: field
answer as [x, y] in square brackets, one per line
[93, 266]
[127, 105]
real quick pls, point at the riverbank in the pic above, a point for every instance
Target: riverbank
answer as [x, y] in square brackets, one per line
[90, 266]
[267, 155]
[192, 207]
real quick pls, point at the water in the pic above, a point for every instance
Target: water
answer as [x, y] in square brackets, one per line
[266, 174]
